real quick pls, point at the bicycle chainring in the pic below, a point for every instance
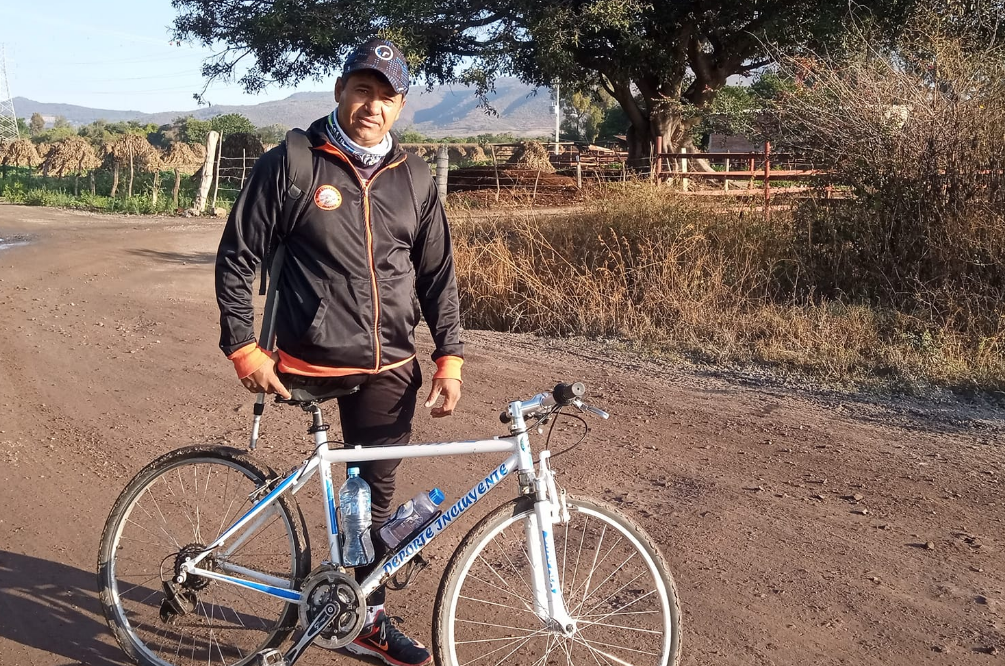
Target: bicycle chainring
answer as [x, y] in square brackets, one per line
[326, 585]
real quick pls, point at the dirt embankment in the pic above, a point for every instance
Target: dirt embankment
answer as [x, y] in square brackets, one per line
[803, 527]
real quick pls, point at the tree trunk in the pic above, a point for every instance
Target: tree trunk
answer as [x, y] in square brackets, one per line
[91, 176]
[157, 184]
[177, 186]
[676, 135]
[76, 184]
[115, 178]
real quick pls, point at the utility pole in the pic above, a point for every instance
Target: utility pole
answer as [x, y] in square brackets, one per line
[558, 115]
[8, 120]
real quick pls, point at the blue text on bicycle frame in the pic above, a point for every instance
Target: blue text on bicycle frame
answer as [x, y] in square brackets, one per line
[459, 507]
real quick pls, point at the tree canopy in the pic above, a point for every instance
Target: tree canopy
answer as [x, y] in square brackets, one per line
[659, 60]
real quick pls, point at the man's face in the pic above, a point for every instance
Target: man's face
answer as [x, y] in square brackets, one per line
[367, 106]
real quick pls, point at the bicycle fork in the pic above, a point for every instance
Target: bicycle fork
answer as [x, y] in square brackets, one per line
[549, 510]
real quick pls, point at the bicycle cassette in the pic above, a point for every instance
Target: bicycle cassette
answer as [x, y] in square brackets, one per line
[326, 586]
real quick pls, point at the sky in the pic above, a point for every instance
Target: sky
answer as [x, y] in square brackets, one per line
[100, 54]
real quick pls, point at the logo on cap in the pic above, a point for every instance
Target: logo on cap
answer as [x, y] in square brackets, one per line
[327, 197]
[384, 52]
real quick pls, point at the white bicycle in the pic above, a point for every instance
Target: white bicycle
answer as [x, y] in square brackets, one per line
[205, 559]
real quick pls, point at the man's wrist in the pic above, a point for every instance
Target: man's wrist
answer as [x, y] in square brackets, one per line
[448, 367]
[248, 359]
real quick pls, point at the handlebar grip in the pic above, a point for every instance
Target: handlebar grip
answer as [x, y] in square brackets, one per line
[504, 417]
[564, 394]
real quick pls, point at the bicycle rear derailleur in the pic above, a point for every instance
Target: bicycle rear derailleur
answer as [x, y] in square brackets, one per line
[332, 611]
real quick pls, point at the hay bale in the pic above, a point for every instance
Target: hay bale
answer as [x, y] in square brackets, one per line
[128, 145]
[22, 152]
[180, 156]
[532, 155]
[72, 155]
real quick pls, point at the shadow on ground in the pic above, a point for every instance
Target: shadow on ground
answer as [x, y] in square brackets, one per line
[177, 257]
[54, 608]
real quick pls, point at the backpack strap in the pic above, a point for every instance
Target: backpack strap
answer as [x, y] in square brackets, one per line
[299, 179]
[419, 182]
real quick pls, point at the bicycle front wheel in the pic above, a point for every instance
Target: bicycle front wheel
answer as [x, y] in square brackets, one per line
[171, 510]
[615, 584]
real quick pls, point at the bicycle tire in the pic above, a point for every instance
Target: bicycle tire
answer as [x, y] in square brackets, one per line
[626, 606]
[183, 500]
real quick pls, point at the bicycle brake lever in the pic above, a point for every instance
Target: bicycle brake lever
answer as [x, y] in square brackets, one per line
[583, 407]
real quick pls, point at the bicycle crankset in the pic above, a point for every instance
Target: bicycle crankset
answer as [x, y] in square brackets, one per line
[324, 588]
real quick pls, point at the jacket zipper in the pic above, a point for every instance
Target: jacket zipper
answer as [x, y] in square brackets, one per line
[368, 226]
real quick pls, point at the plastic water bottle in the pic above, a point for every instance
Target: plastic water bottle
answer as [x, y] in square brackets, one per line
[410, 516]
[354, 502]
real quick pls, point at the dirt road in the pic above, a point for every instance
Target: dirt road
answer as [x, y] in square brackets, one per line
[803, 527]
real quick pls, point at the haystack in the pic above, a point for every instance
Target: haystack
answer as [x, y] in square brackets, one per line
[183, 160]
[20, 153]
[126, 150]
[531, 155]
[71, 155]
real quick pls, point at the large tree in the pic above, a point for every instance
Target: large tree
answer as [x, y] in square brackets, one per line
[663, 61]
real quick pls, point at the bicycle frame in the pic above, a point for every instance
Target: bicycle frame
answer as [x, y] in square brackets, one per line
[549, 509]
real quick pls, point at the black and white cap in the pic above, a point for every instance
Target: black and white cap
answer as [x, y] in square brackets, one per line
[381, 56]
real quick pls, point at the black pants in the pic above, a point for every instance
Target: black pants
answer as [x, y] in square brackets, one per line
[380, 414]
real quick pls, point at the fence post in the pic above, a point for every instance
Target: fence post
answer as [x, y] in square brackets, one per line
[442, 168]
[685, 182]
[244, 164]
[495, 165]
[199, 206]
[216, 187]
[767, 175]
[579, 173]
[725, 180]
[658, 166]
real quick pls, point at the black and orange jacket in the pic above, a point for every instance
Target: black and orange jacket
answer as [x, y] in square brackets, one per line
[362, 261]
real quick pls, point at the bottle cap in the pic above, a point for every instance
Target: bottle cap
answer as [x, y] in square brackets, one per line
[436, 496]
[353, 471]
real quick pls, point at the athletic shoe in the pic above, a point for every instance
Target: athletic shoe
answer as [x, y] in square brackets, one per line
[386, 642]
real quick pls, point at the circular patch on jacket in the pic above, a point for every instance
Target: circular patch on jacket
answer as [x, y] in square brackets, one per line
[327, 198]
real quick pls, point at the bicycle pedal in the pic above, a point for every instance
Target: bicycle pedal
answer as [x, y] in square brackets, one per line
[270, 657]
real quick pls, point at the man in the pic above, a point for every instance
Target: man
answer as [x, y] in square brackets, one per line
[369, 251]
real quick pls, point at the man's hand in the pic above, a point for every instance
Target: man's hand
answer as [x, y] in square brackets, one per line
[450, 389]
[265, 380]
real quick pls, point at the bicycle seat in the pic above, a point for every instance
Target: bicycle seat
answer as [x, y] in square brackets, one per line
[317, 389]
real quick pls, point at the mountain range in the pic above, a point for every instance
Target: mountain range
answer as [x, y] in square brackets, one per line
[519, 109]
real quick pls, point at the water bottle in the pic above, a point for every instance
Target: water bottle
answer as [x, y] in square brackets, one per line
[410, 516]
[354, 502]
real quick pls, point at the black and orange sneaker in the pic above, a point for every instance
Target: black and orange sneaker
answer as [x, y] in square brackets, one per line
[386, 642]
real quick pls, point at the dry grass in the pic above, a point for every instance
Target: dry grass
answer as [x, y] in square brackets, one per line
[644, 266]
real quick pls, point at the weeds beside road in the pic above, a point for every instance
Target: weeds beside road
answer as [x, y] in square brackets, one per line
[668, 274]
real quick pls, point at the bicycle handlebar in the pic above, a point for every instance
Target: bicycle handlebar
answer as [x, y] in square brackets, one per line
[562, 395]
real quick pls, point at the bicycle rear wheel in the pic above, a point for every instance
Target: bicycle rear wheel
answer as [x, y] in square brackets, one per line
[174, 507]
[615, 583]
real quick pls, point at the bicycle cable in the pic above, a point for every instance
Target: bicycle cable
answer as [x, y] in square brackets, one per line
[556, 413]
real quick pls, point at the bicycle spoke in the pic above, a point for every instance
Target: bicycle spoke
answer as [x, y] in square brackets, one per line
[615, 591]
[187, 498]
[589, 644]
[526, 609]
